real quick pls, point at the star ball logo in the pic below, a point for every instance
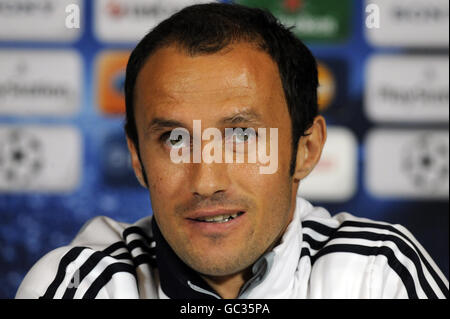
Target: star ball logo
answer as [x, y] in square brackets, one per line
[425, 162]
[20, 157]
[246, 142]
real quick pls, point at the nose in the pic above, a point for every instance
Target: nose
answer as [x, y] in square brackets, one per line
[209, 178]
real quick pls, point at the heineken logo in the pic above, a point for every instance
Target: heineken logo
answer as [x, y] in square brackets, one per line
[293, 5]
[318, 20]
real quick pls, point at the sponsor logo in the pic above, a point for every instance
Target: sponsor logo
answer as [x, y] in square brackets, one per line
[21, 157]
[332, 92]
[334, 177]
[111, 68]
[425, 162]
[36, 20]
[420, 14]
[407, 89]
[327, 86]
[39, 82]
[139, 10]
[27, 7]
[318, 20]
[409, 164]
[39, 159]
[130, 20]
[293, 5]
[410, 23]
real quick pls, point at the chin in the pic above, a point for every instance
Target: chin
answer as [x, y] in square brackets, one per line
[219, 270]
[219, 265]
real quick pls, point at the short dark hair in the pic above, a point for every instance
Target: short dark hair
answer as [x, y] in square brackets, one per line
[209, 28]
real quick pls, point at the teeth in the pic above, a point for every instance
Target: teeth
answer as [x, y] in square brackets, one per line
[219, 218]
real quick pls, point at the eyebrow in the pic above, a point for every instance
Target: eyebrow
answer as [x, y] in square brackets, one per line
[158, 124]
[247, 116]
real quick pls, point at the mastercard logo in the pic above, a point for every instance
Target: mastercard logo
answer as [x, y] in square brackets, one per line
[327, 87]
[111, 68]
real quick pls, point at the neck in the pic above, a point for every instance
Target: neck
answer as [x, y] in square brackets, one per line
[228, 287]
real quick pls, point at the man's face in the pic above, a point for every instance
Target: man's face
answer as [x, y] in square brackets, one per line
[236, 87]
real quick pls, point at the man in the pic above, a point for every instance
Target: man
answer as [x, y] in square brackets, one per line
[223, 229]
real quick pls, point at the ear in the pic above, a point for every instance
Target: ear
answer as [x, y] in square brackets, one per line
[310, 148]
[135, 162]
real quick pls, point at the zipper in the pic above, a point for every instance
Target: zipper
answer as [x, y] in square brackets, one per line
[201, 290]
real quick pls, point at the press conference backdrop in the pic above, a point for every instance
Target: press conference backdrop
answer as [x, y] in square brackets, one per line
[384, 91]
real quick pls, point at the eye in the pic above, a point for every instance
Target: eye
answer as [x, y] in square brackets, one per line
[244, 134]
[176, 141]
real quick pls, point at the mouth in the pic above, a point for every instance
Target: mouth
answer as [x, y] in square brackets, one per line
[218, 218]
[216, 222]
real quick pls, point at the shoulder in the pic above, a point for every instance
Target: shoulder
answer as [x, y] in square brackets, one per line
[369, 259]
[41, 275]
[82, 268]
[100, 231]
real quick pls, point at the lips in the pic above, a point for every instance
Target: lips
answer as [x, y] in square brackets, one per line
[216, 223]
[216, 216]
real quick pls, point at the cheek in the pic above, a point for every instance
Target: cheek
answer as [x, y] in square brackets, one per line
[264, 188]
[164, 181]
[271, 192]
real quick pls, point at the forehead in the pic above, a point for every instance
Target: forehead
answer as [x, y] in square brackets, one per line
[239, 76]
